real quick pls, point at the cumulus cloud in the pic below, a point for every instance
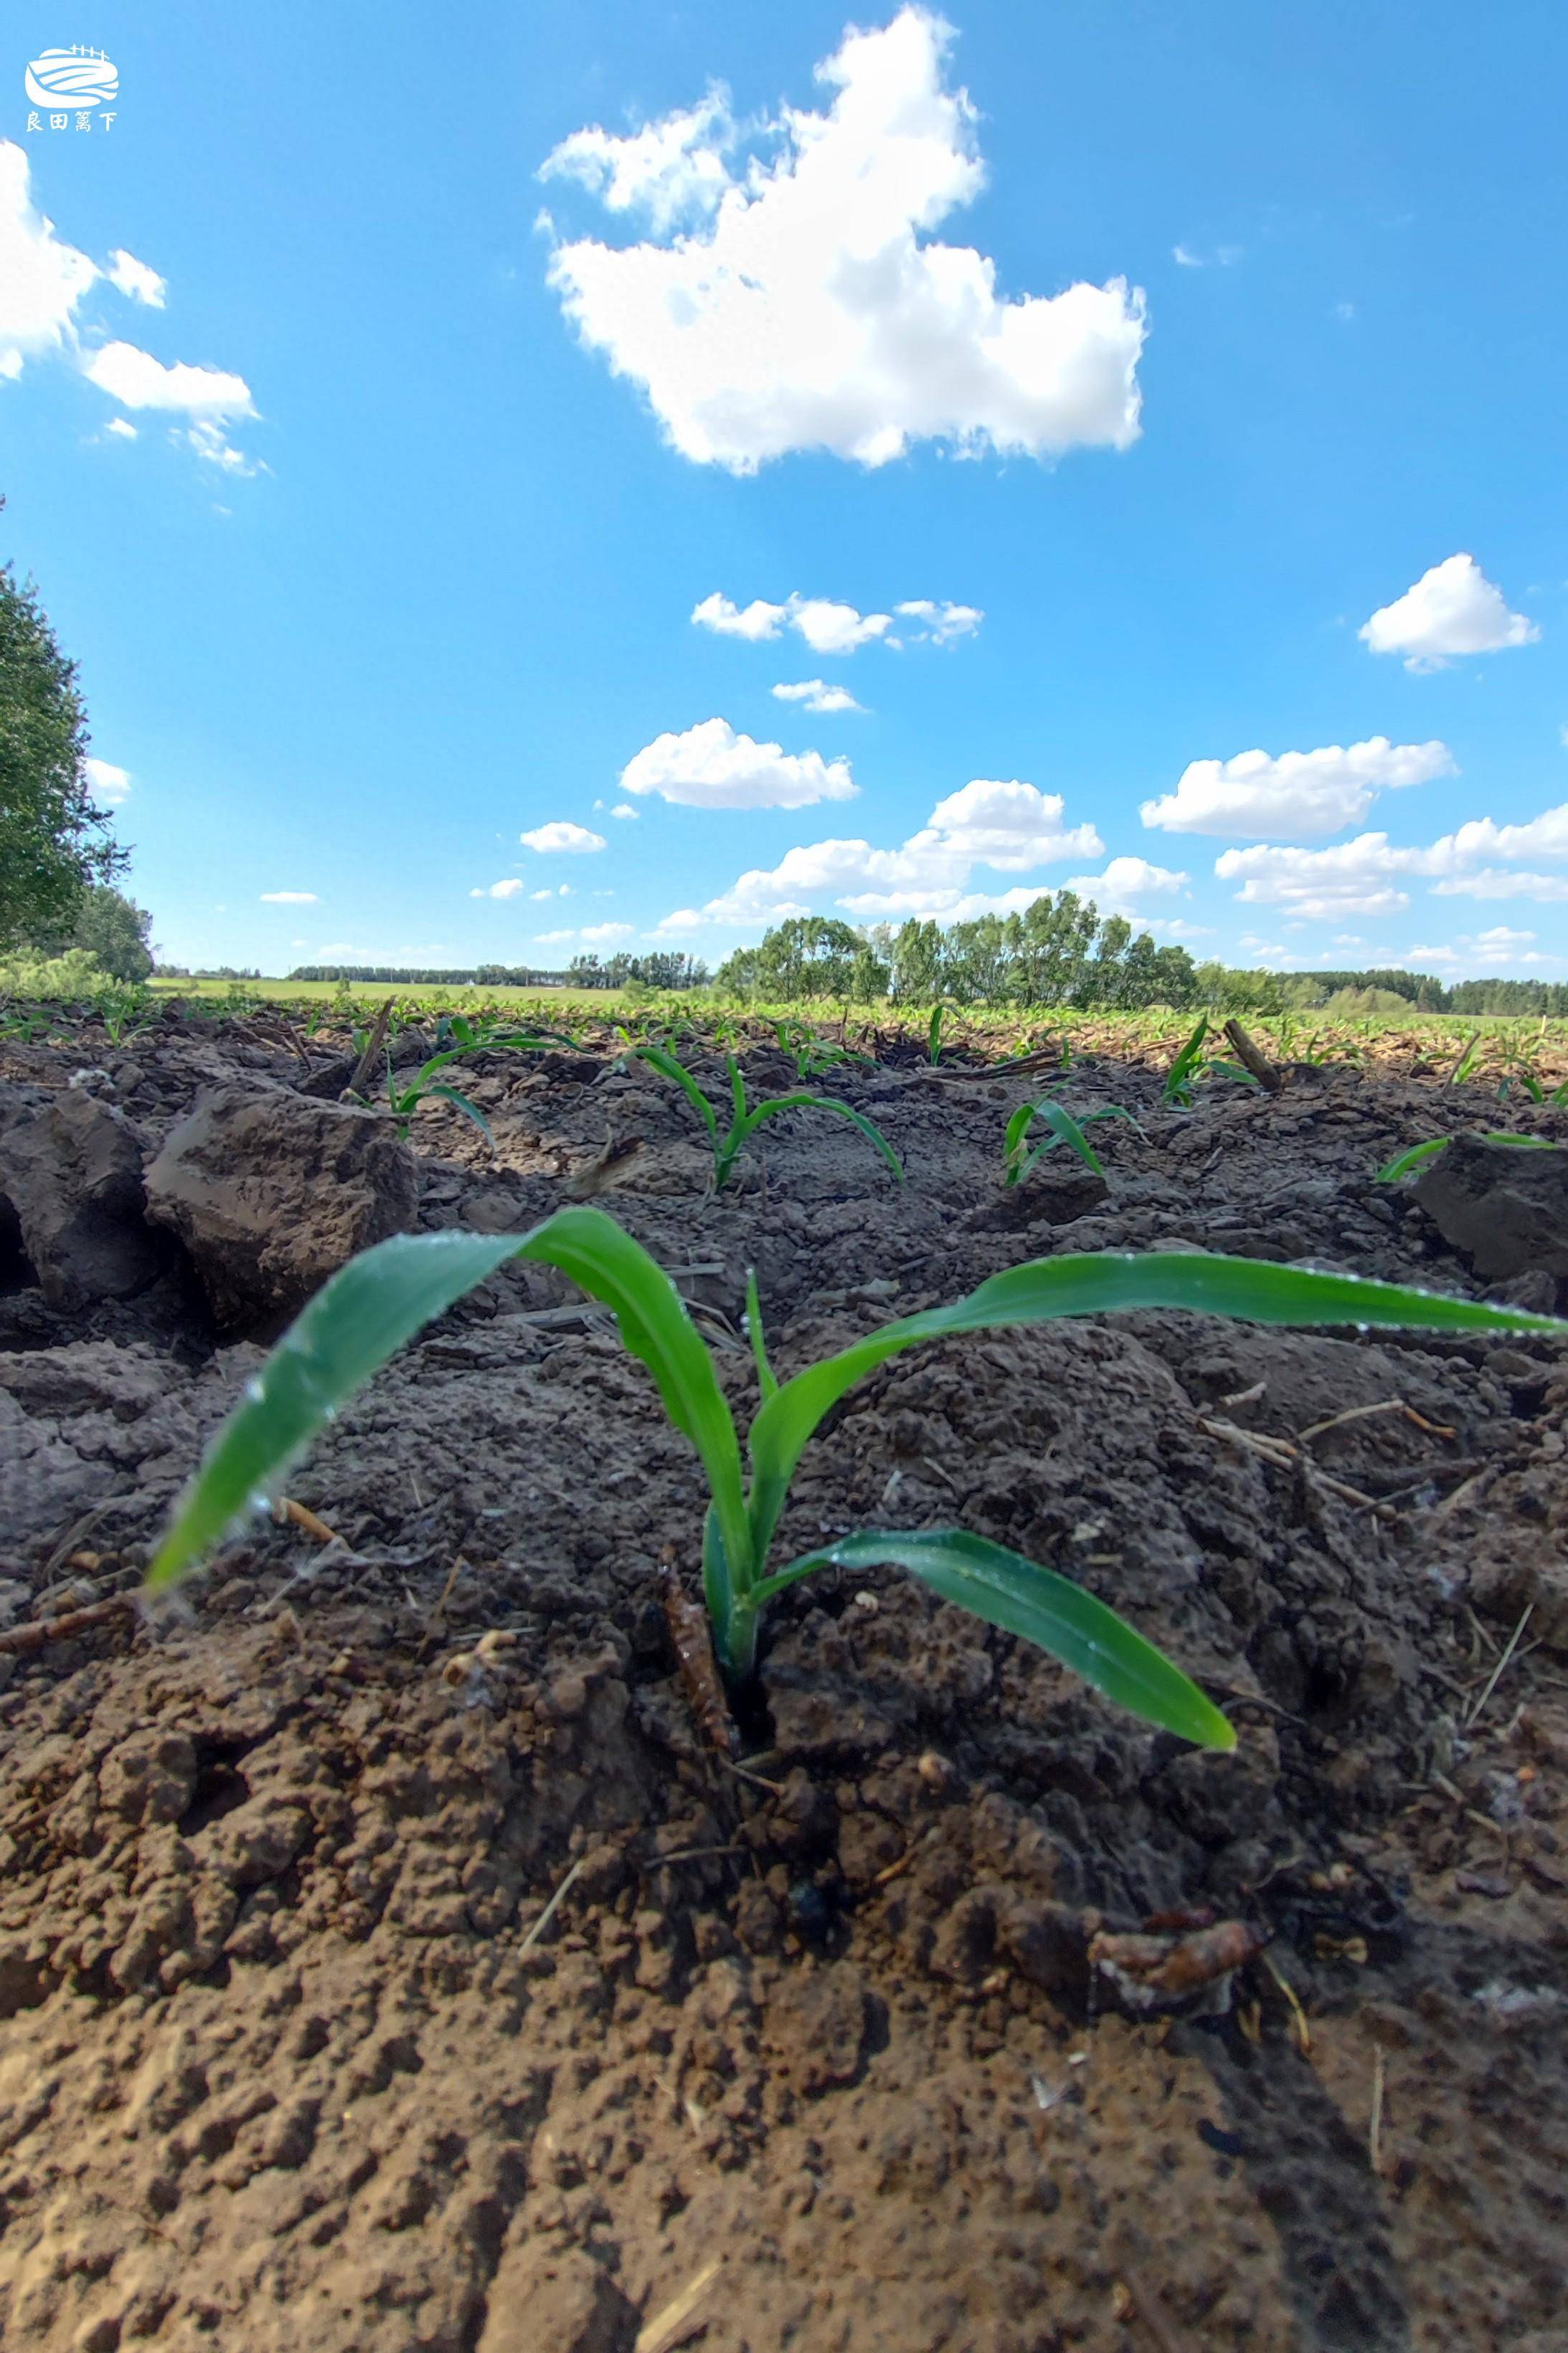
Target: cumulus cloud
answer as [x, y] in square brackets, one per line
[670, 169]
[107, 784]
[42, 284]
[506, 889]
[137, 380]
[1367, 876]
[560, 836]
[1484, 951]
[624, 810]
[1009, 825]
[591, 935]
[827, 625]
[42, 278]
[815, 694]
[1261, 797]
[711, 766]
[1126, 883]
[561, 890]
[1452, 609]
[1222, 256]
[944, 623]
[289, 898]
[810, 308]
[121, 428]
[137, 280]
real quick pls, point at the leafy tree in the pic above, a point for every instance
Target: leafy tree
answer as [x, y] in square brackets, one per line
[54, 841]
[113, 929]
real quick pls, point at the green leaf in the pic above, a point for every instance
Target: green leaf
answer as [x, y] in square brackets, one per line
[806, 1101]
[1403, 1162]
[1065, 1130]
[367, 1312]
[1225, 1069]
[670, 1069]
[1098, 1283]
[472, 1111]
[1016, 1593]
[766, 1381]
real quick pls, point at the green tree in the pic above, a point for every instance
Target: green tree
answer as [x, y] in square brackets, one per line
[113, 929]
[54, 841]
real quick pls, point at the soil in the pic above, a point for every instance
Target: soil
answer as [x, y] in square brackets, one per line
[809, 2054]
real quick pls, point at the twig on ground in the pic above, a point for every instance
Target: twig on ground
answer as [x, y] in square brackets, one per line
[1252, 1058]
[286, 1511]
[1498, 1670]
[373, 1046]
[40, 1631]
[439, 1611]
[1374, 2127]
[74, 1534]
[671, 2327]
[545, 1917]
[1367, 1412]
[1298, 2015]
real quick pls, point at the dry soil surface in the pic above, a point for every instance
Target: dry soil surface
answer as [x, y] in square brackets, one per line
[809, 2056]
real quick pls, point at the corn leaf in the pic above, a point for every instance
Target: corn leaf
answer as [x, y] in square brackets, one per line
[802, 1101]
[1095, 1283]
[670, 1069]
[471, 1111]
[381, 1299]
[1403, 1162]
[1016, 1593]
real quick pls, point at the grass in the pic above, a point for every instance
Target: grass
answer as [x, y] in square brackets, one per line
[381, 1299]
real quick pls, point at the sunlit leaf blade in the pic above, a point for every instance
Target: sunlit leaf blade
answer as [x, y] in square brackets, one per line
[1403, 1162]
[367, 1313]
[1064, 1129]
[360, 1318]
[667, 1065]
[1099, 1282]
[471, 1111]
[805, 1102]
[1022, 1597]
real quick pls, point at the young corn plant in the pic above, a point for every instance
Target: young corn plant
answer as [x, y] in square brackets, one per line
[404, 1097]
[745, 1121]
[381, 1299]
[1181, 1078]
[1018, 1160]
[1417, 1153]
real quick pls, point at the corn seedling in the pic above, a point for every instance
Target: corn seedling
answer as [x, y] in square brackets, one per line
[1403, 1162]
[811, 1052]
[934, 1034]
[1181, 1078]
[1018, 1160]
[744, 1122]
[1466, 1061]
[381, 1299]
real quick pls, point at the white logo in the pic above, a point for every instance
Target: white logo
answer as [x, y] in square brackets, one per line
[72, 78]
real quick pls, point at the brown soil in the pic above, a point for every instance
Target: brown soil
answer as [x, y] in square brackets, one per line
[286, 2062]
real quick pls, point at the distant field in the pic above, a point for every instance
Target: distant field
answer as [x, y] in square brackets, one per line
[371, 992]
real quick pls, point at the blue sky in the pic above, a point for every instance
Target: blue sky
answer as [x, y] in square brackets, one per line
[1187, 343]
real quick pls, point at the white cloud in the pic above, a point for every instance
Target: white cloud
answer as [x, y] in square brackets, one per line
[137, 380]
[594, 935]
[815, 694]
[289, 898]
[946, 623]
[754, 621]
[624, 810]
[1124, 882]
[506, 889]
[1011, 827]
[1259, 797]
[135, 278]
[1483, 951]
[107, 784]
[562, 891]
[122, 427]
[1355, 877]
[827, 625]
[671, 170]
[42, 278]
[1221, 257]
[1452, 609]
[1366, 876]
[1502, 882]
[560, 836]
[809, 314]
[711, 766]
[210, 443]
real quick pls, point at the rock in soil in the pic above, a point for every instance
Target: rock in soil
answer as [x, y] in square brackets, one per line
[71, 1170]
[1505, 1205]
[271, 1194]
